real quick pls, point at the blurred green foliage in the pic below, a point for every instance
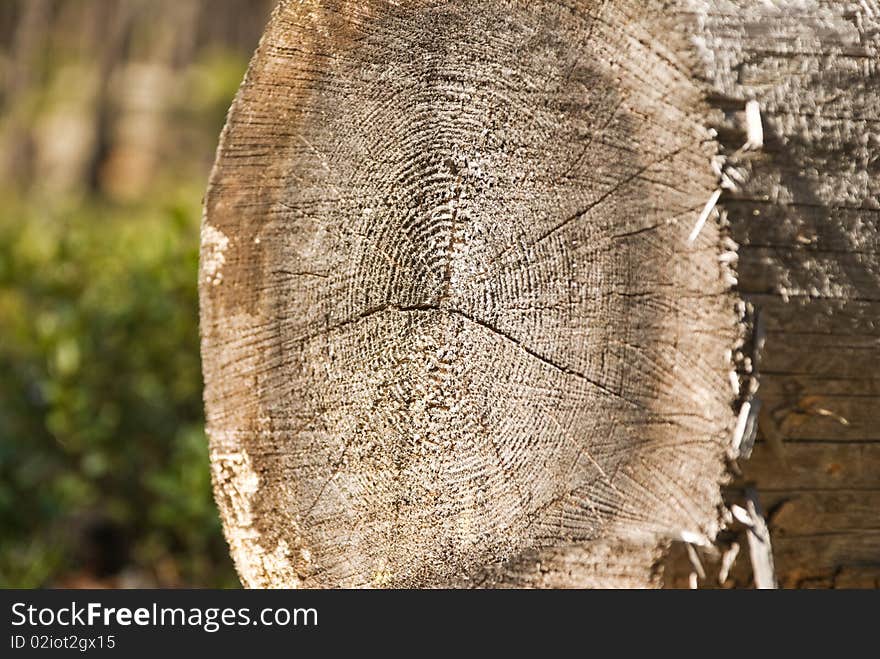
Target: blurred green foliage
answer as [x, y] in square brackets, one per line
[100, 392]
[104, 475]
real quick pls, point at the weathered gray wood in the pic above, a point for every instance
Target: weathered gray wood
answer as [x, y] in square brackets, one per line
[806, 512]
[816, 465]
[807, 222]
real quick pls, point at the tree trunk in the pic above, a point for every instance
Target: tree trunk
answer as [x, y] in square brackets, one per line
[458, 326]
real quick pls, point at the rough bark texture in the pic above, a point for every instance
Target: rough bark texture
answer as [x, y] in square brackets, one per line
[453, 333]
[807, 222]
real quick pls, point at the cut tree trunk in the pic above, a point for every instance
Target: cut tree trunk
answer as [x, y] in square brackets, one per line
[454, 329]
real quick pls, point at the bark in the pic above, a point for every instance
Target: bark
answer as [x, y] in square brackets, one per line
[454, 332]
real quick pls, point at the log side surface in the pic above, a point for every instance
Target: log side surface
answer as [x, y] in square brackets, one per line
[808, 221]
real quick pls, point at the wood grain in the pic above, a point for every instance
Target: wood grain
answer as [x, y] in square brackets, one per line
[452, 332]
[807, 224]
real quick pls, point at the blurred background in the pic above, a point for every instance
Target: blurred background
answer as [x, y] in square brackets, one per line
[110, 112]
